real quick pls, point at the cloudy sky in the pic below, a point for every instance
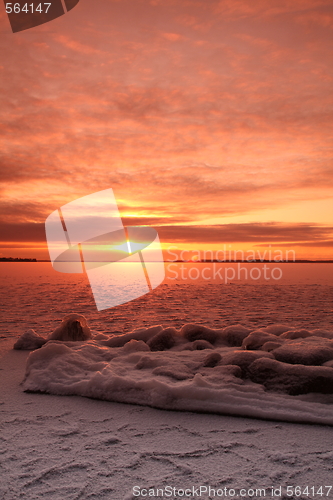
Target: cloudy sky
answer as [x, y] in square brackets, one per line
[210, 119]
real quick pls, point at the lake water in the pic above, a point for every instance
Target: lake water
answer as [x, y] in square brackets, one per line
[33, 295]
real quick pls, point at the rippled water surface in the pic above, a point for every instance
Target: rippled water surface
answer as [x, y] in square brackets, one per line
[34, 296]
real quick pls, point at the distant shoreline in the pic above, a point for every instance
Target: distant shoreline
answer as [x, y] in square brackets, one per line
[258, 261]
[13, 259]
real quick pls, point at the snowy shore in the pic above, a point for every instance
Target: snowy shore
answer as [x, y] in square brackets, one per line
[274, 373]
[71, 447]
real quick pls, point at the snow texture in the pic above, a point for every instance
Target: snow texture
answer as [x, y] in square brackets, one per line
[29, 341]
[73, 327]
[78, 448]
[195, 369]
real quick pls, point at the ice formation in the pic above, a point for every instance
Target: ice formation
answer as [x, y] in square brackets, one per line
[73, 327]
[229, 371]
[29, 341]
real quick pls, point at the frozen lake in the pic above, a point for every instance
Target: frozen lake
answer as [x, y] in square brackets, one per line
[33, 295]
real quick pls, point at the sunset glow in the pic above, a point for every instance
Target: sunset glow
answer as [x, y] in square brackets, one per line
[210, 120]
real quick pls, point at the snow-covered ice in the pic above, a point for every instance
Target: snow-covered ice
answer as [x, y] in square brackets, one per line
[72, 448]
[29, 341]
[59, 447]
[195, 369]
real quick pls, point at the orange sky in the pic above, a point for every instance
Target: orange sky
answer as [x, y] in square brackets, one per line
[211, 120]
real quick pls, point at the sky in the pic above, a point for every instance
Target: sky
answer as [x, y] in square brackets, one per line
[211, 120]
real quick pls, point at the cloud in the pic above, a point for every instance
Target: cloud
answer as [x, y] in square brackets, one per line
[188, 110]
[305, 244]
[312, 235]
[249, 233]
[264, 8]
[173, 37]
[77, 46]
[24, 232]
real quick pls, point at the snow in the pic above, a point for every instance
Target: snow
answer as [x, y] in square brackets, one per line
[73, 327]
[69, 447]
[293, 379]
[29, 341]
[193, 369]
[58, 447]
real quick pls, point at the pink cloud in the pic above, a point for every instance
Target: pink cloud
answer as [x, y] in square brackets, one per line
[189, 109]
